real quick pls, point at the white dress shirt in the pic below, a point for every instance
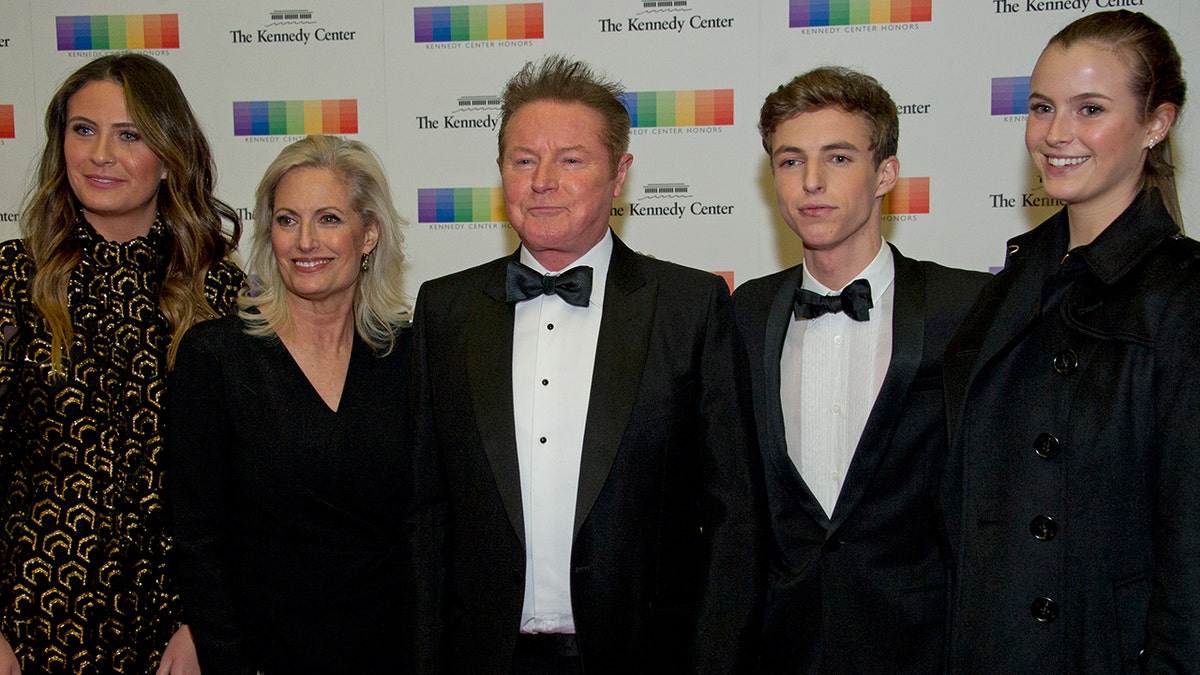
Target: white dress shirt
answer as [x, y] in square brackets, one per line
[831, 369]
[554, 349]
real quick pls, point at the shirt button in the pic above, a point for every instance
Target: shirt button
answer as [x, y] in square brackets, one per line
[1044, 609]
[545, 382]
[542, 440]
[1046, 446]
[837, 340]
[837, 409]
[1043, 528]
[1065, 362]
[549, 326]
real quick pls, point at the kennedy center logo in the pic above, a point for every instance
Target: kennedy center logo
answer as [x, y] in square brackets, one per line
[693, 110]
[475, 208]
[470, 23]
[8, 126]
[813, 13]
[1010, 95]
[910, 196]
[295, 118]
[118, 31]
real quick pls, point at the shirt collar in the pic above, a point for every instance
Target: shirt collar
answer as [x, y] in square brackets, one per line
[879, 273]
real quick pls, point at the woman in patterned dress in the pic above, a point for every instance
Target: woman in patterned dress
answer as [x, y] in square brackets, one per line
[122, 250]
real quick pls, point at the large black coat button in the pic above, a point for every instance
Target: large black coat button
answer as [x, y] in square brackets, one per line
[1043, 528]
[1046, 446]
[1044, 609]
[1065, 362]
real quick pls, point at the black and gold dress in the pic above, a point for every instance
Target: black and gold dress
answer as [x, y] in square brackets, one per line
[84, 580]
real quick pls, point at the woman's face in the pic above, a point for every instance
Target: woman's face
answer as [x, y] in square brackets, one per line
[113, 173]
[1085, 131]
[318, 238]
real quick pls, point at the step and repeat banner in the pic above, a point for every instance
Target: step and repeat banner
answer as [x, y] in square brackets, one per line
[420, 82]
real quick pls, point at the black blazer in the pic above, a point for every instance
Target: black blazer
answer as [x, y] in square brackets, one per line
[666, 573]
[865, 590]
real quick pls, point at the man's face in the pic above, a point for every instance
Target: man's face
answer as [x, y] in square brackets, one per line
[826, 183]
[558, 184]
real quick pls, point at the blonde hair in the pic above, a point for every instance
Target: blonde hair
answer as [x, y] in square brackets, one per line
[379, 305]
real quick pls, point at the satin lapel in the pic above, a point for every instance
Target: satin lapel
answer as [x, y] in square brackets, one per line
[621, 349]
[908, 342]
[489, 369]
[774, 441]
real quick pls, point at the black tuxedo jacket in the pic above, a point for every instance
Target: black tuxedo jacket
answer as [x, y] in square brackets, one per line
[666, 565]
[863, 591]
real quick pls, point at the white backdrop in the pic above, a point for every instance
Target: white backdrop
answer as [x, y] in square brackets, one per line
[699, 190]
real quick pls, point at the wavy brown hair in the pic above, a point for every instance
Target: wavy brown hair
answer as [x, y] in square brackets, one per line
[190, 212]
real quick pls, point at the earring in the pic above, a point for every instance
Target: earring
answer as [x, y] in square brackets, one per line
[1151, 146]
[366, 262]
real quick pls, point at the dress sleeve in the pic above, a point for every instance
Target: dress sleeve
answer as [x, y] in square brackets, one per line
[13, 336]
[200, 441]
[221, 287]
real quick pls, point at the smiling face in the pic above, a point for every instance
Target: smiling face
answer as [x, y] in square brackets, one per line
[827, 186]
[558, 183]
[1085, 131]
[318, 238]
[112, 172]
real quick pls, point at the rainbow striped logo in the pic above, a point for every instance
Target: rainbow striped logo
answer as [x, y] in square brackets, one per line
[8, 124]
[461, 205]
[1010, 95]
[464, 23]
[118, 31]
[286, 118]
[697, 108]
[810, 13]
[911, 195]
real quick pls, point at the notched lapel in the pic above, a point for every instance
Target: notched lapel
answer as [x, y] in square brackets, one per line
[489, 368]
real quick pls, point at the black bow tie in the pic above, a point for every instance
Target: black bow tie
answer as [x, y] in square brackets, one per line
[854, 300]
[574, 286]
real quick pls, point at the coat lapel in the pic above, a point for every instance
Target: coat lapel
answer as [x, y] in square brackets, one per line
[489, 368]
[629, 300]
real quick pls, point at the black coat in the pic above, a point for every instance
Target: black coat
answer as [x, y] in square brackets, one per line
[666, 569]
[865, 590]
[1072, 492]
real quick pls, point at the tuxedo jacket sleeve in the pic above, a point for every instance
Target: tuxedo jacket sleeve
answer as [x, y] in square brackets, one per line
[666, 572]
[863, 589]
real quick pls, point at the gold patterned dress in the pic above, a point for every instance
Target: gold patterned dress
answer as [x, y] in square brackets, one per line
[84, 579]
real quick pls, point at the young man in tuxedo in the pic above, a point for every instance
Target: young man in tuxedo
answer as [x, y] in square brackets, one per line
[845, 353]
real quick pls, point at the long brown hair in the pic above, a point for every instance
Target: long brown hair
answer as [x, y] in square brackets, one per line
[187, 207]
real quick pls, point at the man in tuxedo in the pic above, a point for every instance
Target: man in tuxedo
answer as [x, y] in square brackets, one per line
[584, 454]
[845, 356]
